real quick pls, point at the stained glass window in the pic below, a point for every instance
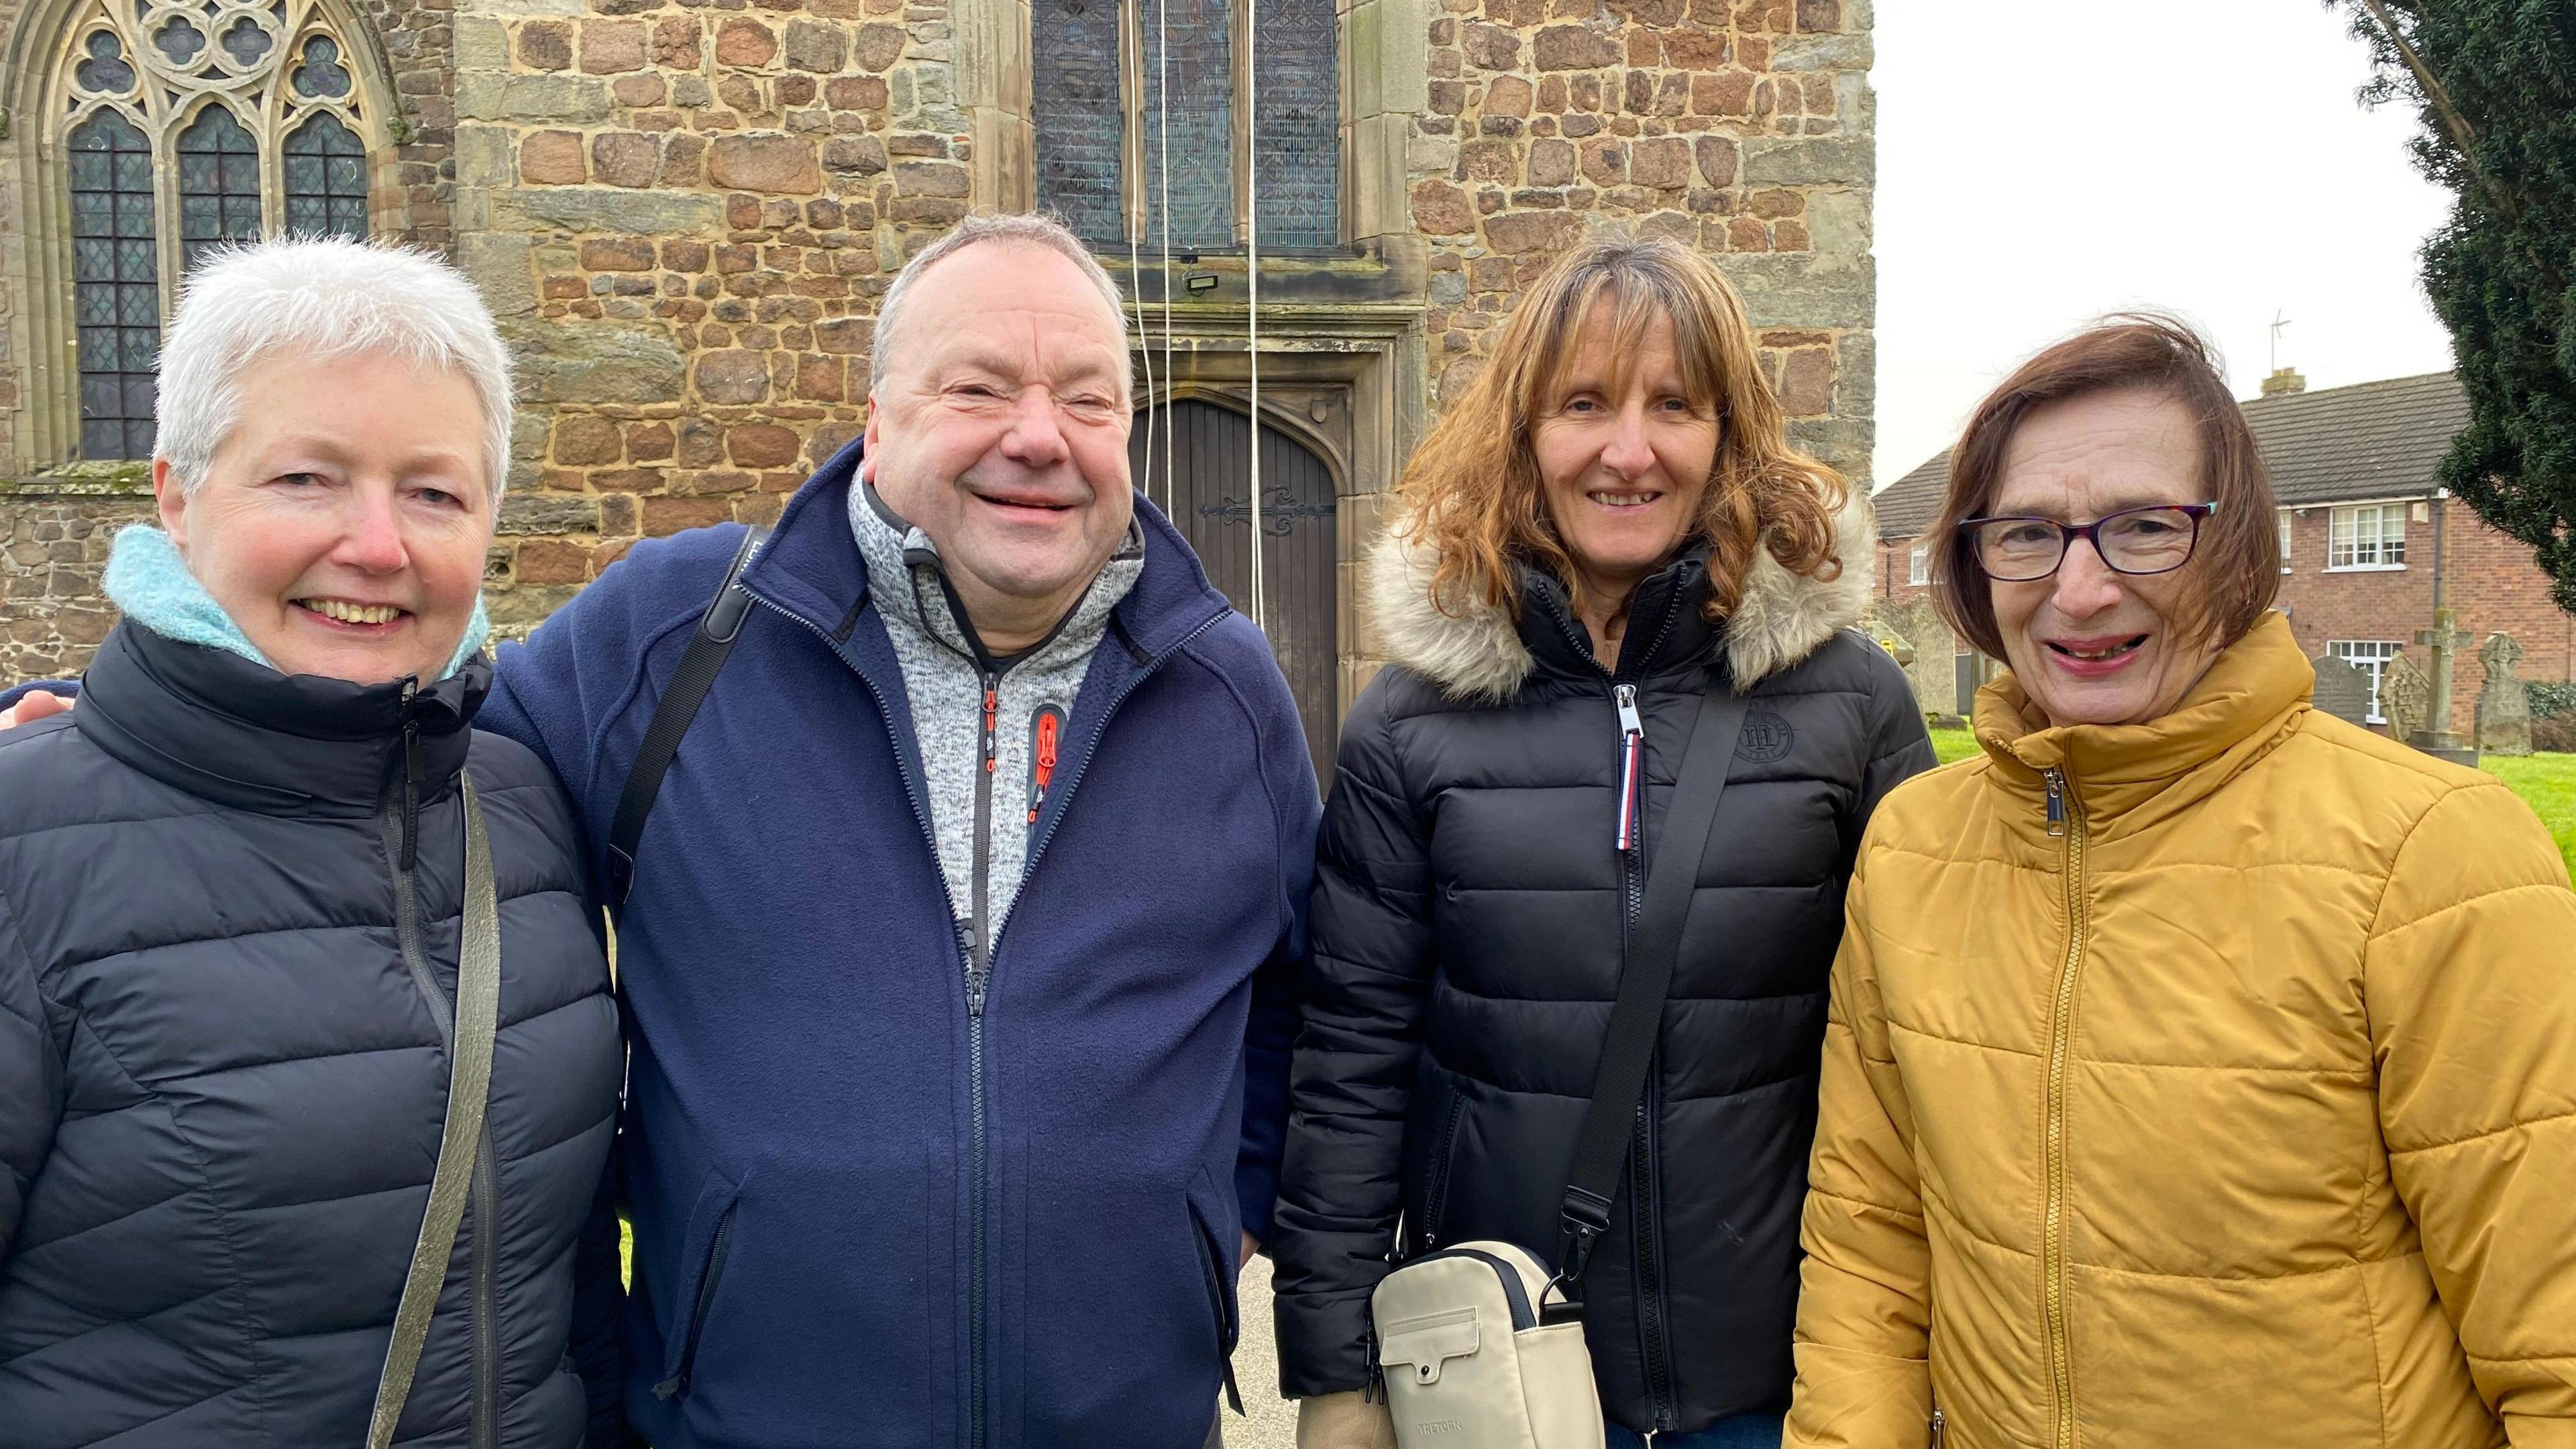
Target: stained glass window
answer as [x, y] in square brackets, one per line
[1106, 141]
[1081, 125]
[116, 293]
[326, 181]
[1187, 47]
[248, 118]
[218, 184]
[1297, 156]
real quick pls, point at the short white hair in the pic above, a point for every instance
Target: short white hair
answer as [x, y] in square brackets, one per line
[1042, 230]
[320, 298]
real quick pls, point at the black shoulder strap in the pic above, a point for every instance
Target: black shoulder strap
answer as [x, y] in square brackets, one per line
[706, 654]
[1602, 1148]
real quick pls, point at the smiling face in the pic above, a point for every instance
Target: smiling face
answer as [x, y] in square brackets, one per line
[1000, 429]
[1623, 456]
[2088, 645]
[345, 520]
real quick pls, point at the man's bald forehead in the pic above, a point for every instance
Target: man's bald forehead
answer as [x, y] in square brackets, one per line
[1038, 236]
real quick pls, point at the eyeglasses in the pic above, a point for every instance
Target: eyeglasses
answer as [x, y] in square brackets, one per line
[2132, 541]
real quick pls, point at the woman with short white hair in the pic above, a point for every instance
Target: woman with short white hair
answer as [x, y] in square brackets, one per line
[308, 1066]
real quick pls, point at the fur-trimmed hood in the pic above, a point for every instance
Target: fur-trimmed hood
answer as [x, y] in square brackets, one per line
[1477, 652]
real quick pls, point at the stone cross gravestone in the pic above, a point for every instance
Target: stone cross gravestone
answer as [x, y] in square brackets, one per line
[2434, 736]
[2404, 697]
[2504, 706]
[2343, 689]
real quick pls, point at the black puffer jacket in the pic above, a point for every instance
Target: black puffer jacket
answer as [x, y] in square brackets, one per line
[1468, 943]
[221, 1083]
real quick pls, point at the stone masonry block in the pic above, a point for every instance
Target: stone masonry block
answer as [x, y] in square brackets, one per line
[599, 208]
[764, 163]
[821, 49]
[1809, 161]
[594, 362]
[1577, 47]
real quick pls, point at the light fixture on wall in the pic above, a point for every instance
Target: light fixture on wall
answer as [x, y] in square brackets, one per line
[1202, 281]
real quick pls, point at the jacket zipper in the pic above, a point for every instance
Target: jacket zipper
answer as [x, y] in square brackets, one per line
[402, 839]
[978, 972]
[1436, 1201]
[1630, 841]
[1940, 1427]
[487, 1311]
[2065, 821]
[978, 980]
[974, 1019]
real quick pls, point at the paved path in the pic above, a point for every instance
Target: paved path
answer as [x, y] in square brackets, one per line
[1272, 1421]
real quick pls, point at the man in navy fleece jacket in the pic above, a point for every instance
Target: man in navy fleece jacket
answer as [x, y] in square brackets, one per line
[958, 1014]
[899, 1177]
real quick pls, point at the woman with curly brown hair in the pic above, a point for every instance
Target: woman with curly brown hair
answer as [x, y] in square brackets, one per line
[1608, 527]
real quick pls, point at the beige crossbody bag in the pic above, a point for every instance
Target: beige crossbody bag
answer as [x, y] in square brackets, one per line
[1479, 1344]
[469, 1082]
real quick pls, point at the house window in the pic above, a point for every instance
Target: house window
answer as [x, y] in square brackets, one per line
[2371, 536]
[183, 127]
[2370, 656]
[1918, 565]
[2285, 540]
[1107, 138]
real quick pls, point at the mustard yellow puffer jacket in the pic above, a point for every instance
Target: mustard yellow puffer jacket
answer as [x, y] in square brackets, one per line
[2238, 1107]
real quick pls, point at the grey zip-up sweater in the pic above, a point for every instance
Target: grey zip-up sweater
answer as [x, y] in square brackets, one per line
[945, 676]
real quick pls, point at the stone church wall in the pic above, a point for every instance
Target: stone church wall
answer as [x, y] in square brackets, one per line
[684, 211]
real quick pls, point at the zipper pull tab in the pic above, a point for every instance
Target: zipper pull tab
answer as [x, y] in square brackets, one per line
[992, 715]
[1632, 768]
[1939, 1428]
[2056, 802]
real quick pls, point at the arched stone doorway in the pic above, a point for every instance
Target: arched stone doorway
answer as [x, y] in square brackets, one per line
[1208, 498]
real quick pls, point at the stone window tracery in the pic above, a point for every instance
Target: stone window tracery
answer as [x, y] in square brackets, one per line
[182, 125]
[1106, 138]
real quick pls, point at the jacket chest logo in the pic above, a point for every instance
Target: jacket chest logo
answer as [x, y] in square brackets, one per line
[1766, 738]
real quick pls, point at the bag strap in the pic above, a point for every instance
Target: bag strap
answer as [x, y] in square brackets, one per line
[469, 1081]
[1601, 1149]
[706, 654]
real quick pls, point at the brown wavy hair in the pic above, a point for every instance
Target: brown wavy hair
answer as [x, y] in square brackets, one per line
[1472, 489]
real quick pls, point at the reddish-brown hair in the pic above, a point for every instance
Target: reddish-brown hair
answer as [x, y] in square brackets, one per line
[2238, 562]
[1471, 492]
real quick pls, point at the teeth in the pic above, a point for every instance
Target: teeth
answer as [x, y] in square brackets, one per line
[1622, 500]
[348, 613]
[2097, 654]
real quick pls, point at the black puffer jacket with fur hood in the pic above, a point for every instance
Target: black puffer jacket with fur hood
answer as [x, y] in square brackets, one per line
[1468, 944]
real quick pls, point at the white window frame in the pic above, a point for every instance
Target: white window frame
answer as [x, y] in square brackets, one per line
[1918, 565]
[2370, 656]
[2385, 549]
[2288, 527]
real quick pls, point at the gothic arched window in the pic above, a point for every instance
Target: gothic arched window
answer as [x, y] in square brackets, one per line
[1106, 139]
[184, 124]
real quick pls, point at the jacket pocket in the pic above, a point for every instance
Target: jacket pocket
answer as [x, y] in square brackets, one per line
[1221, 1301]
[708, 1240]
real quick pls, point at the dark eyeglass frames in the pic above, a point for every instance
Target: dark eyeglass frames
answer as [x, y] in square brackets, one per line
[2132, 541]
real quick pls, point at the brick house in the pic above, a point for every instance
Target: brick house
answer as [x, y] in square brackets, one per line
[684, 212]
[2368, 537]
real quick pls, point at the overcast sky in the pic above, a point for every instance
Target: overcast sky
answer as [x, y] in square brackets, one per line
[2041, 162]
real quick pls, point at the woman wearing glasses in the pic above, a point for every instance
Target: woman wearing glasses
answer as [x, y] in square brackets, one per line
[2202, 1068]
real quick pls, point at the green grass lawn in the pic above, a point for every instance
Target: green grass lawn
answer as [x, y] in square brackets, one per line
[2547, 783]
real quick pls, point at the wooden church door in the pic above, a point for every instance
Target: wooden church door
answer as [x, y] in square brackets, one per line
[1208, 497]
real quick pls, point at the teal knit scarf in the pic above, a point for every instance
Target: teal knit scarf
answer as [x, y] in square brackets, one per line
[148, 579]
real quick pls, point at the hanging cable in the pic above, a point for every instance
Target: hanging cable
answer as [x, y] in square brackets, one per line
[1144, 349]
[1252, 284]
[1163, 105]
[1144, 343]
